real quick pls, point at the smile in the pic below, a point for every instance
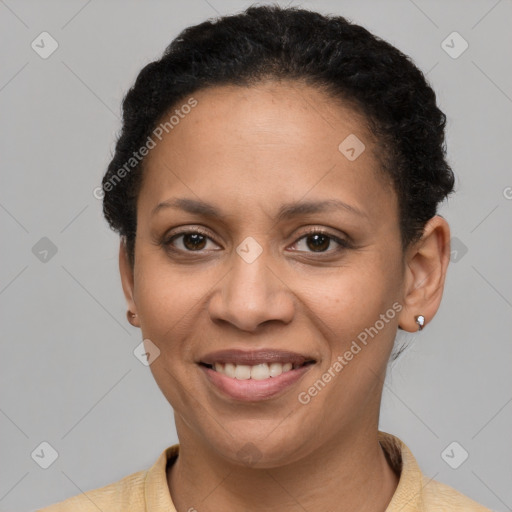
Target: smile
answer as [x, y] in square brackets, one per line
[255, 375]
[260, 371]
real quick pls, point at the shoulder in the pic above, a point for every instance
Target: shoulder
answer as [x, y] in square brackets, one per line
[136, 492]
[415, 491]
[123, 496]
[438, 497]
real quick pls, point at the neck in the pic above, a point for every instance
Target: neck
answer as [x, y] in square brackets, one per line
[350, 473]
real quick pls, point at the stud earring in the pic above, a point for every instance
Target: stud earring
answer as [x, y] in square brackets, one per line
[420, 320]
[130, 315]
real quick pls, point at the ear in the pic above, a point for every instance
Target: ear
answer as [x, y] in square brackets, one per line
[127, 280]
[426, 265]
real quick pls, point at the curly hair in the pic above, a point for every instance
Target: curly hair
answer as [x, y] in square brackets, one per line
[328, 52]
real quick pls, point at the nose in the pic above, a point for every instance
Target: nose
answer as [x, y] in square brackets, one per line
[250, 294]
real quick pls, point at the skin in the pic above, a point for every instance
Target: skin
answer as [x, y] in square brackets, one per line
[247, 151]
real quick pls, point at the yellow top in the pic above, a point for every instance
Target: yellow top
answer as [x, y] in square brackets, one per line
[147, 491]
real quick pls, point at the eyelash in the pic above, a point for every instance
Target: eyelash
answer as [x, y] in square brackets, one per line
[344, 244]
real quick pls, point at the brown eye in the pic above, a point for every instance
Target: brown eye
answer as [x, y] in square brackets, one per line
[187, 241]
[194, 241]
[319, 242]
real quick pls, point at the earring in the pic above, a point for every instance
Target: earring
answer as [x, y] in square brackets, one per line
[130, 315]
[420, 320]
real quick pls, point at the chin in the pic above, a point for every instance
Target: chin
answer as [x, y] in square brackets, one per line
[259, 451]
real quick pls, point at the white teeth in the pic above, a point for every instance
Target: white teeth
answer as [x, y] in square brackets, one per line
[242, 372]
[276, 369]
[257, 372]
[260, 372]
[229, 369]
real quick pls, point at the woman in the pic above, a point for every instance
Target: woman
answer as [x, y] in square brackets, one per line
[275, 187]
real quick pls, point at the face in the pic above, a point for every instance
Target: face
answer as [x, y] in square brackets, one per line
[264, 250]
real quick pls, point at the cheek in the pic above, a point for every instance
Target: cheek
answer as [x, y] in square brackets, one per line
[163, 297]
[359, 342]
[163, 291]
[359, 324]
[170, 299]
[167, 300]
[353, 297]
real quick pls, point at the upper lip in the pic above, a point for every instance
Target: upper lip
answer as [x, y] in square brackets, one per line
[253, 357]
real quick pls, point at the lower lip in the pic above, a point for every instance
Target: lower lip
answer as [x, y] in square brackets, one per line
[251, 390]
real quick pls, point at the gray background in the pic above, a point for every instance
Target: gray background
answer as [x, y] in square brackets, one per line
[69, 376]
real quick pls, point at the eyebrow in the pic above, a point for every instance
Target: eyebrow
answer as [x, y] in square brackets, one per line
[286, 211]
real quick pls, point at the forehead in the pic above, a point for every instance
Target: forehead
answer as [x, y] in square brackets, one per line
[269, 141]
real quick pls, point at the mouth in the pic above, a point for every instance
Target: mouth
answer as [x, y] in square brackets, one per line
[255, 375]
[259, 371]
